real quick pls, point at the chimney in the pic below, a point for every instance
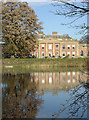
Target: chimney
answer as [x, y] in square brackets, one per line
[40, 33]
[54, 33]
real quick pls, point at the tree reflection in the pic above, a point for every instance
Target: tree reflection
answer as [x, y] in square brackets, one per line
[77, 103]
[20, 97]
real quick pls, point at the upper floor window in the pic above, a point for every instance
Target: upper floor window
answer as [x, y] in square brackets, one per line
[63, 46]
[73, 46]
[68, 46]
[81, 53]
[43, 46]
[57, 46]
[50, 46]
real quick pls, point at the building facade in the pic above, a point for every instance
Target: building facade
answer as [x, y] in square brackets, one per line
[60, 45]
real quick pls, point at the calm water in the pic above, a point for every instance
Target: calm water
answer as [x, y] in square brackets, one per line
[45, 94]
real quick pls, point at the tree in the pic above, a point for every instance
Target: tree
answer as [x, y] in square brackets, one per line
[75, 10]
[20, 26]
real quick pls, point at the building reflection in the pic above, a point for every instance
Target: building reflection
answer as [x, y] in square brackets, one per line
[51, 81]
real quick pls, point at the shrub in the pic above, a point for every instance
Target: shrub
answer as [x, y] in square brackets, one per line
[33, 56]
[59, 56]
[46, 56]
[53, 56]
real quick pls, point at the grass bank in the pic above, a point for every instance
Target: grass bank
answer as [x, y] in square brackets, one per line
[27, 65]
[50, 62]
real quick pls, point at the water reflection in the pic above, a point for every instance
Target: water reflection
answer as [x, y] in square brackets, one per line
[40, 94]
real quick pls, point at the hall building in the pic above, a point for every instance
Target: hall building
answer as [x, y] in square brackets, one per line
[60, 45]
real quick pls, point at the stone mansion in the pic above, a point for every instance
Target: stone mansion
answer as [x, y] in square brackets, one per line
[60, 45]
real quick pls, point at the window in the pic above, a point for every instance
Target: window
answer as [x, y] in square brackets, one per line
[30, 53]
[68, 80]
[73, 46]
[68, 53]
[57, 46]
[43, 80]
[63, 46]
[73, 53]
[73, 80]
[50, 46]
[63, 53]
[68, 73]
[50, 80]
[42, 53]
[50, 54]
[87, 53]
[43, 46]
[73, 73]
[35, 53]
[81, 53]
[57, 53]
[68, 46]
[63, 73]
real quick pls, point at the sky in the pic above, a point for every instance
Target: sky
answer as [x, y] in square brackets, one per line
[53, 23]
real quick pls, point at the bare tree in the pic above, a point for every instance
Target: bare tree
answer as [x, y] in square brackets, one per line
[74, 10]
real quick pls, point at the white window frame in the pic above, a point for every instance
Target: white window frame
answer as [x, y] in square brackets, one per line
[50, 53]
[63, 46]
[36, 53]
[68, 46]
[68, 53]
[73, 53]
[63, 53]
[73, 46]
[50, 46]
[57, 47]
[43, 46]
[68, 73]
[57, 54]
[44, 54]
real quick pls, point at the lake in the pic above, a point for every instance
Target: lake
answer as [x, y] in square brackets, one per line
[45, 94]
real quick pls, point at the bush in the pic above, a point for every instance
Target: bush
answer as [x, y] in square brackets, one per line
[33, 56]
[67, 56]
[46, 56]
[53, 56]
[59, 56]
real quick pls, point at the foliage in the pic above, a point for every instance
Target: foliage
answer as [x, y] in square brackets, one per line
[20, 27]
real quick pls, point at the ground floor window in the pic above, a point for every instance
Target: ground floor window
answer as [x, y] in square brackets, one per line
[36, 53]
[42, 53]
[50, 54]
[81, 53]
[73, 53]
[68, 53]
[57, 53]
[30, 53]
[63, 54]
[87, 53]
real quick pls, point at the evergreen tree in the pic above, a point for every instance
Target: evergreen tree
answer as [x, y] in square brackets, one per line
[20, 26]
